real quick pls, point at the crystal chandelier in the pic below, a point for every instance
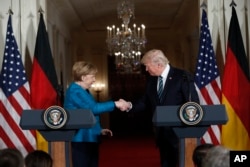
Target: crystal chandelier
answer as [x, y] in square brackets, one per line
[125, 43]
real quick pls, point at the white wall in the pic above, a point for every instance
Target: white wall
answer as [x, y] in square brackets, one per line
[25, 22]
[219, 15]
[59, 36]
[26, 18]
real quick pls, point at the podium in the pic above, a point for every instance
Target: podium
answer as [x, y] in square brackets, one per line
[76, 119]
[168, 116]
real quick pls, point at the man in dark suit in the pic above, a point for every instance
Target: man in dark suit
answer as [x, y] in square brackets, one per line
[176, 88]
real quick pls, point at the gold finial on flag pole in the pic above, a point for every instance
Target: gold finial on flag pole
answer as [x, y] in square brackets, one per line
[40, 10]
[203, 5]
[233, 3]
[10, 12]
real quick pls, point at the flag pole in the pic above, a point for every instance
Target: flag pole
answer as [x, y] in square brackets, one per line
[41, 11]
[10, 109]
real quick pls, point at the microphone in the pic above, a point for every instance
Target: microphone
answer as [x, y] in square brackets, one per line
[187, 77]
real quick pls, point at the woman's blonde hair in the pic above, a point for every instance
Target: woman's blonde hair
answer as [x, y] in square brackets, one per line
[82, 68]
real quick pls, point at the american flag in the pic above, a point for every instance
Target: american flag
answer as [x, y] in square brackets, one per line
[207, 78]
[14, 97]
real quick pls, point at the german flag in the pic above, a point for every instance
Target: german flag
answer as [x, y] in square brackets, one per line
[44, 83]
[236, 90]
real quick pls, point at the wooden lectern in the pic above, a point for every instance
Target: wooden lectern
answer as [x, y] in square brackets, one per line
[189, 134]
[59, 138]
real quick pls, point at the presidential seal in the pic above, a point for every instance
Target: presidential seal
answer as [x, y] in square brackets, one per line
[55, 117]
[191, 113]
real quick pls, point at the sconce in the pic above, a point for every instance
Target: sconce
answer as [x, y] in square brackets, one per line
[98, 88]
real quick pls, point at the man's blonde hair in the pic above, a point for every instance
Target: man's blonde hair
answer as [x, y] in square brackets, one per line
[155, 56]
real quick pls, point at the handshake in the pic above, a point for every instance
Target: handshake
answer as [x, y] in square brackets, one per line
[123, 105]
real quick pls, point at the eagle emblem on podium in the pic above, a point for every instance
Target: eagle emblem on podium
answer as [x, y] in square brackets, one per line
[55, 117]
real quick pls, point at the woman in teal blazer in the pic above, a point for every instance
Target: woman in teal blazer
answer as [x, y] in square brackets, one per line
[85, 144]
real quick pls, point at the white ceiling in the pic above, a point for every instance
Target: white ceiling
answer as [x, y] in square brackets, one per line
[96, 15]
